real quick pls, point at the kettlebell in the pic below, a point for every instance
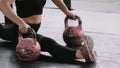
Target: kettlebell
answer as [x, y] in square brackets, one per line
[72, 35]
[28, 49]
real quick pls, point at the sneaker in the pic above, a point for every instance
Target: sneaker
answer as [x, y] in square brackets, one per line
[87, 49]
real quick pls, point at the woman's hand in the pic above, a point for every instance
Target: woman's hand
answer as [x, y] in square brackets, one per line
[64, 8]
[71, 15]
[23, 28]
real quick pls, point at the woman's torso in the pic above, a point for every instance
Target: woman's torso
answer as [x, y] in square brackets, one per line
[30, 10]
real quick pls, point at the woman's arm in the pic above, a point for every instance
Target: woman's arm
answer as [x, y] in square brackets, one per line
[63, 7]
[8, 12]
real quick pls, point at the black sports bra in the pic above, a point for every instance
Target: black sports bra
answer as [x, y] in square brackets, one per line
[26, 8]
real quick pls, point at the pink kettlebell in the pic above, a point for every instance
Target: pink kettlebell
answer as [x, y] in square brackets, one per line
[28, 49]
[72, 35]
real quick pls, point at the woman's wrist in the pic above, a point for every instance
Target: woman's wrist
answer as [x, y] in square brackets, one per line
[67, 12]
[21, 22]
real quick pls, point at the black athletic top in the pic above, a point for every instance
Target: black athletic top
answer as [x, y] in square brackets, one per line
[26, 8]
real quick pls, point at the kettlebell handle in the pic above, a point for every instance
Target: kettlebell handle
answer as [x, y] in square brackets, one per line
[31, 31]
[76, 17]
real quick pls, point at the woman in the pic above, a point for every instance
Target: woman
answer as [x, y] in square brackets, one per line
[29, 13]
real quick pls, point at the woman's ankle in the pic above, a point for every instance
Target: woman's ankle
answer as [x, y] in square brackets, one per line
[79, 55]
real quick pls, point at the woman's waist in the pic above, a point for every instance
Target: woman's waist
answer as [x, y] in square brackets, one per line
[34, 19]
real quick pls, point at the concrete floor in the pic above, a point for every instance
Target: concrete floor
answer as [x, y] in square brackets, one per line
[100, 21]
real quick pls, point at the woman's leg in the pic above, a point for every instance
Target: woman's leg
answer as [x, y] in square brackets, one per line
[9, 32]
[56, 50]
[60, 52]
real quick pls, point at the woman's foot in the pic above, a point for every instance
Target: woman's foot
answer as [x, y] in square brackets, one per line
[86, 51]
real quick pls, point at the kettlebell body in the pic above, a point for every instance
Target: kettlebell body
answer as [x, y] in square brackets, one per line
[28, 49]
[72, 35]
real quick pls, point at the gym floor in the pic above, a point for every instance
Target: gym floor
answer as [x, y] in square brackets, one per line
[100, 21]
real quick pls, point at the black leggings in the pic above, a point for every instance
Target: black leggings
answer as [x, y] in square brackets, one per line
[47, 44]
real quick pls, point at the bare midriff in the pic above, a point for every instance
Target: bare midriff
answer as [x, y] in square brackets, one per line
[35, 19]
